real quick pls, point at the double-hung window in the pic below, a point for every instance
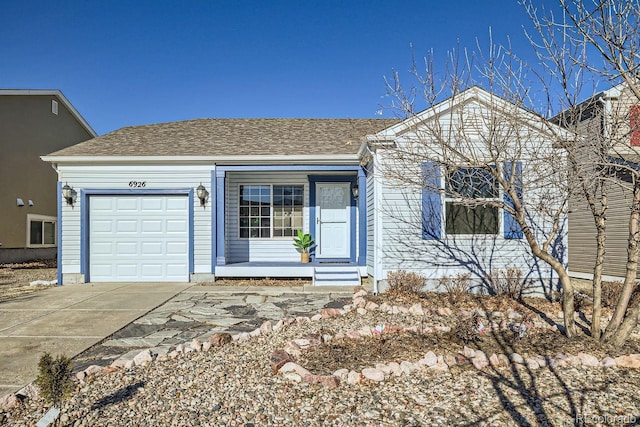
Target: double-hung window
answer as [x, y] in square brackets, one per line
[469, 197]
[267, 211]
[41, 230]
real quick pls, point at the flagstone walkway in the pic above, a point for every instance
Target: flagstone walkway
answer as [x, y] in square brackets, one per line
[201, 311]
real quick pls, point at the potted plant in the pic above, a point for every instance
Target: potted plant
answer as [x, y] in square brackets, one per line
[303, 242]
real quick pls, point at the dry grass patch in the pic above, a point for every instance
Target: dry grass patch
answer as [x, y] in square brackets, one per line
[258, 282]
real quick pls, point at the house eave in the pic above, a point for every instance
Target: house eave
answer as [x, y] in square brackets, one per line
[335, 159]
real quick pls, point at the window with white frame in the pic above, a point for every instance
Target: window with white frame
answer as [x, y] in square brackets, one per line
[41, 230]
[267, 211]
[468, 196]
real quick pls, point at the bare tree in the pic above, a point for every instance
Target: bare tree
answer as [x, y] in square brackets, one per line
[583, 45]
[493, 155]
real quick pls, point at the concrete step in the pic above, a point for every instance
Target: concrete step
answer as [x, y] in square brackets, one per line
[331, 276]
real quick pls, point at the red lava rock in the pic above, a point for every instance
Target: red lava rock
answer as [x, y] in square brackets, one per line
[461, 360]
[219, 339]
[314, 339]
[279, 358]
[392, 329]
[292, 348]
[327, 313]
[9, 401]
[629, 361]
[294, 367]
[328, 381]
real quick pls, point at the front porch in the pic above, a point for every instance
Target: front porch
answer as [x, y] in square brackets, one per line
[257, 210]
[321, 273]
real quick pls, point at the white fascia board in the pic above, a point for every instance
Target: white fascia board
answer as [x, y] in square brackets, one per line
[614, 92]
[229, 160]
[52, 92]
[531, 119]
[439, 108]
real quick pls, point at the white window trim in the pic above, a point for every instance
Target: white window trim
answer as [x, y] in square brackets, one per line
[446, 198]
[271, 211]
[44, 218]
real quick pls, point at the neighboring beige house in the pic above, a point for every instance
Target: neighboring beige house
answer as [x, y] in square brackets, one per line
[609, 119]
[33, 123]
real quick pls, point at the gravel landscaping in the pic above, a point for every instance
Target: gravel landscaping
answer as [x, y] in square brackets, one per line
[15, 279]
[212, 384]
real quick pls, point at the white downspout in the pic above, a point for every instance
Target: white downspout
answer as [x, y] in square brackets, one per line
[377, 241]
[606, 102]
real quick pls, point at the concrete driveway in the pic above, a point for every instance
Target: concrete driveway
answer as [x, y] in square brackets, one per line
[67, 320]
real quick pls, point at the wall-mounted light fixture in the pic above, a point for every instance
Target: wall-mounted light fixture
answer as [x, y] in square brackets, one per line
[202, 194]
[69, 194]
[355, 191]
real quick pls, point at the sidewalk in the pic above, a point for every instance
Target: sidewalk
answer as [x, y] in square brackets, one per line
[67, 320]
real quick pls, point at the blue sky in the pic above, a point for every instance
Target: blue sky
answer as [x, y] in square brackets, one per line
[123, 63]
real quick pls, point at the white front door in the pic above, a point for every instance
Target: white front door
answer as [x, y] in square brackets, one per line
[333, 220]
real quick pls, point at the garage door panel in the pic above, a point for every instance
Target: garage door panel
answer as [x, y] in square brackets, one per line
[102, 269]
[102, 204]
[177, 248]
[102, 248]
[127, 248]
[138, 238]
[177, 204]
[152, 248]
[151, 226]
[175, 270]
[127, 271]
[152, 203]
[127, 204]
[126, 226]
[179, 226]
[152, 270]
[102, 226]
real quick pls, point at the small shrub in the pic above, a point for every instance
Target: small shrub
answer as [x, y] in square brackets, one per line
[54, 377]
[507, 282]
[580, 301]
[405, 282]
[465, 329]
[455, 287]
[611, 292]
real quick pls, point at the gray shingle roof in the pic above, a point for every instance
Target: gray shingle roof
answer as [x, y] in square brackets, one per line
[229, 137]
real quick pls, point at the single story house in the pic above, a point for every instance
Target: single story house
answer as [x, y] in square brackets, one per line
[202, 199]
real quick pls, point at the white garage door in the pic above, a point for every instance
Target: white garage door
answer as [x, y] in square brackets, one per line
[138, 238]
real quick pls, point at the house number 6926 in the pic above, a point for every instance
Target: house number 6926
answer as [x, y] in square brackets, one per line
[137, 184]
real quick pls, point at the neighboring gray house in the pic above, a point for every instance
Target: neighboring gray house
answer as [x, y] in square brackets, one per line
[610, 118]
[201, 199]
[32, 123]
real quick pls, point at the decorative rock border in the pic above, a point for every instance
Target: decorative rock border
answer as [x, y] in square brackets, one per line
[378, 373]
[432, 361]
